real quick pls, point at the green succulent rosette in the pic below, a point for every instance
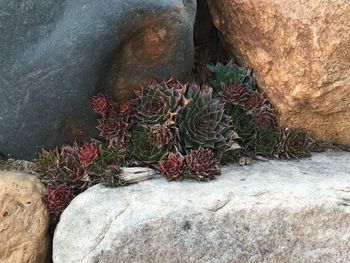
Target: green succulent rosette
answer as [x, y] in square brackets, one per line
[144, 150]
[265, 143]
[111, 155]
[156, 102]
[230, 73]
[242, 123]
[203, 121]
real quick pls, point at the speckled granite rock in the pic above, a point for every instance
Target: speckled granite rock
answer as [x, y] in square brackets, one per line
[23, 219]
[55, 54]
[277, 211]
[299, 51]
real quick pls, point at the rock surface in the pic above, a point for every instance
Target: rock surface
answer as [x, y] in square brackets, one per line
[56, 54]
[23, 219]
[299, 51]
[277, 211]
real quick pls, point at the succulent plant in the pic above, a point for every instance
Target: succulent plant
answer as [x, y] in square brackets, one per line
[125, 107]
[111, 155]
[178, 129]
[46, 161]
[156, 102]
[145, 150]
[265, 143]
[202, 165]
[230, 73]
[255, 100]
[242, 124]
[58, 197]
[69, 161]
[100, 104]
[162, 135]
[293, 144]
[202, 121]
[232, 151]
[109, 175]
[264, 117]
[234, 93]
[89, 153]
[172, 167]
[123, 111]
[114, 128]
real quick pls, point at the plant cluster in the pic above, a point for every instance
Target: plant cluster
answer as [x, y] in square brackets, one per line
[182, 130]
[253, 118]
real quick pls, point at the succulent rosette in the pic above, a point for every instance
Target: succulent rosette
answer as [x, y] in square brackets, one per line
[111, 155]
[70, 164]
[172, 167]
[58, 197]
[100, 104]
[230, 73]
[202, 165]
[89, 153]
[203, 122]
[265, 143]
[234, 93]
[293, 144]
[254, 100]
[47, 161]
[145, 150]
[264, 118]
[114, 127]
[124, 107]
[162, 135]
[156, 102]
[242, 124]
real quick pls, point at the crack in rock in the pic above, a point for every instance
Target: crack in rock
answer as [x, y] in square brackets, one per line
[104, 232]
[219, 205]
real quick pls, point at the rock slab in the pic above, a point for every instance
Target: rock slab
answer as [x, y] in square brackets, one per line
[23, 219]
[56, 54]
[277, 211]
[299, 51]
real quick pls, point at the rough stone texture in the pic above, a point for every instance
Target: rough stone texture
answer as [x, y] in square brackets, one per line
[56, 54]
[277, 211]
[23, 219]
[299, 51]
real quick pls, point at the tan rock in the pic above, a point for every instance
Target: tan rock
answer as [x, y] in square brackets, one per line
[300, 53]
[23, 219]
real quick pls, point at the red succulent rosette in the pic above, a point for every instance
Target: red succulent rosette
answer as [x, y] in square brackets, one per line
[202, 165]
[89, 153]
[124, 107]
[173, 167]
[58, 197]
[100, 104]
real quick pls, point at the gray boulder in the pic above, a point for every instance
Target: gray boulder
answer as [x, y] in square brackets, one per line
[56, 54]
[277, 211]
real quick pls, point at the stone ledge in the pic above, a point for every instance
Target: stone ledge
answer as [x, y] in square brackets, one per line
[276, 211]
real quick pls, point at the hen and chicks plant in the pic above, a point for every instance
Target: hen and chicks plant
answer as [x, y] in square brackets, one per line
[181, 130]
